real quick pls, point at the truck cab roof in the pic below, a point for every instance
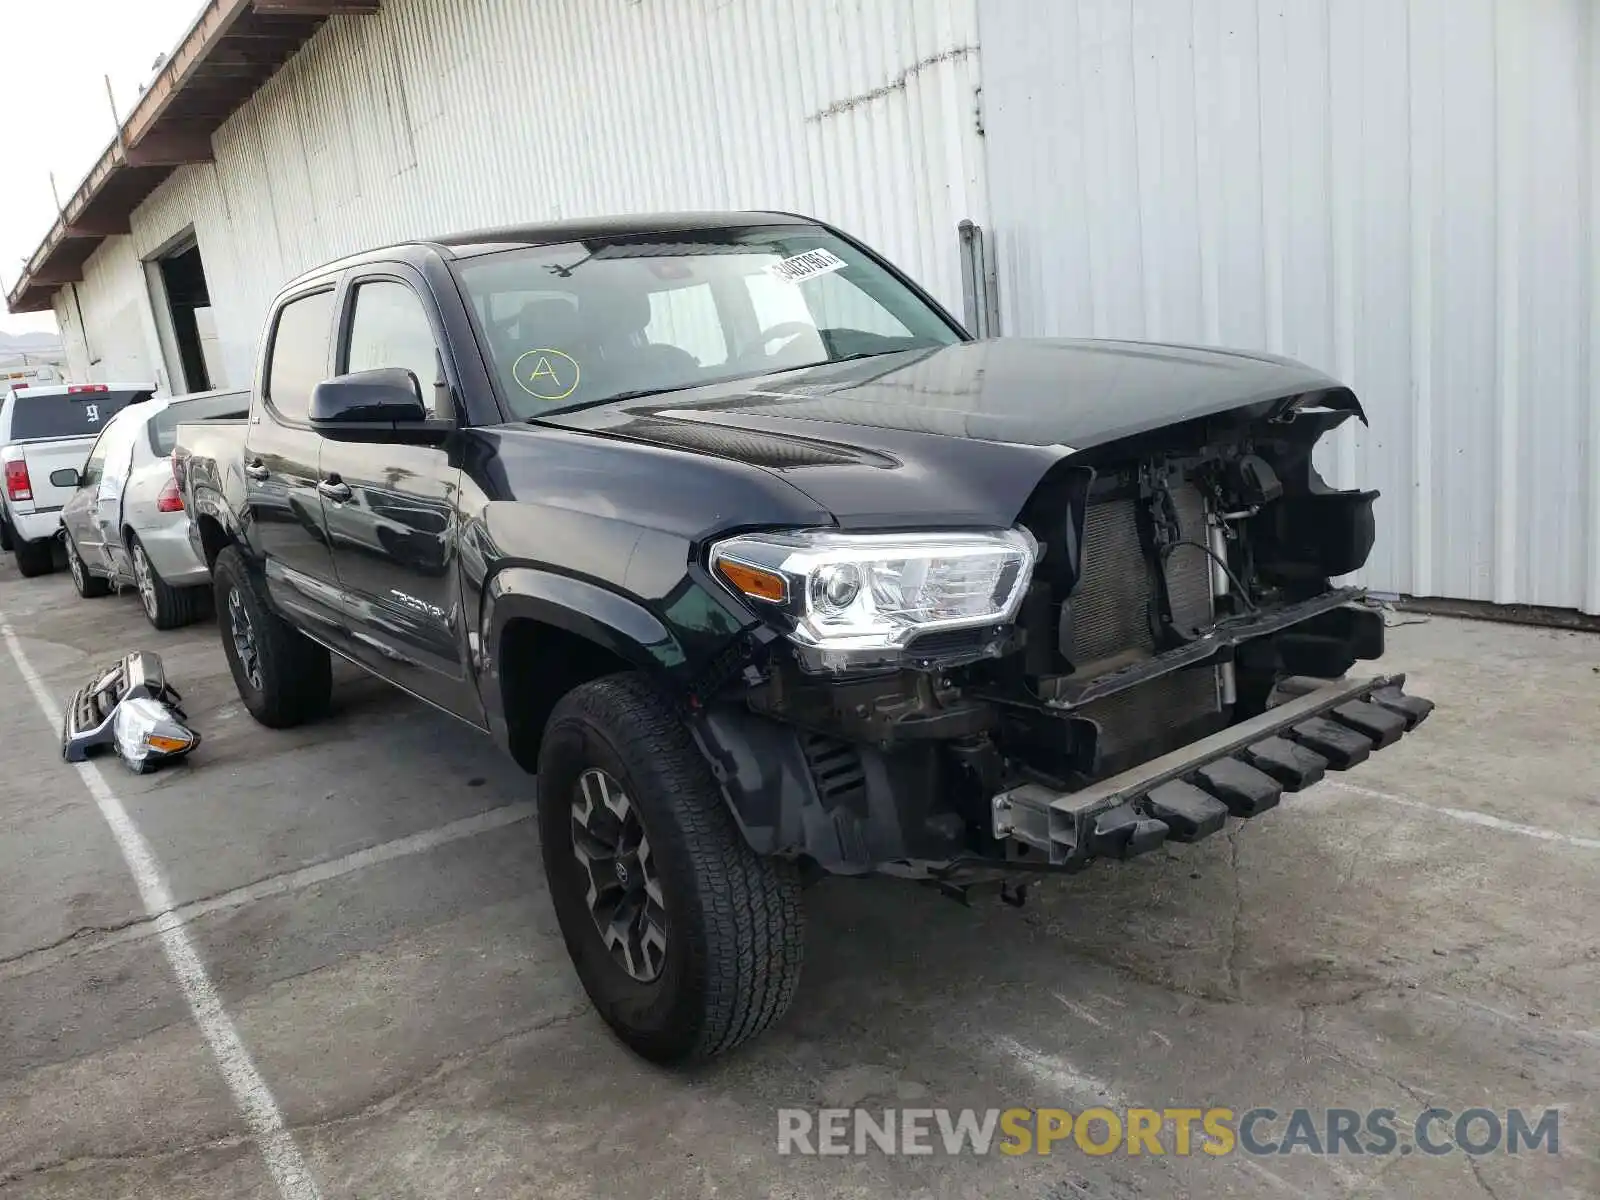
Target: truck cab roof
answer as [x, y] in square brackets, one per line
[465, 244]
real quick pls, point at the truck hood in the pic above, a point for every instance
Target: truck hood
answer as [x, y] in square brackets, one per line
[961, 433]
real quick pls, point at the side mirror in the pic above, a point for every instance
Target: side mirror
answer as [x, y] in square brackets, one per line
[381, 405]
[378, 397]
[66, 477]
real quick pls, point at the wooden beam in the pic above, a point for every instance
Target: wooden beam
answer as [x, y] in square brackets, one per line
[109, 225]
[48, 276]
[170, 150]
[313, 8]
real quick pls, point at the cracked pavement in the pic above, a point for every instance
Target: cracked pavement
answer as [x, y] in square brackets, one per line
[419, 1025]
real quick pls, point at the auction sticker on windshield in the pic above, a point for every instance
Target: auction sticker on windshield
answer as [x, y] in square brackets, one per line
[800, 267]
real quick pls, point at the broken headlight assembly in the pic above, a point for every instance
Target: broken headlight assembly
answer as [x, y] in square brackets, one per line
[150, 732]
[859, 601]
[130, 706]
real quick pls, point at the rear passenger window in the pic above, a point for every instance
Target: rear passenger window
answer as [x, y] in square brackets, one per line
[299, 356]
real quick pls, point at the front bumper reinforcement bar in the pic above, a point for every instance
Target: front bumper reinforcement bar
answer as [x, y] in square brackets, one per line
[1240, 771]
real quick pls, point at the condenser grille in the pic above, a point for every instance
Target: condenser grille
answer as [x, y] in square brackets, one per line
[1111, 604]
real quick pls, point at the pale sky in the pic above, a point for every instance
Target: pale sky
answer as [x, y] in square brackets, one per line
[54, 114]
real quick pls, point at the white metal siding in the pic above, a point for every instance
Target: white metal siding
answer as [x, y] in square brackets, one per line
[430, 117]
[120, 341]
[1404, 193]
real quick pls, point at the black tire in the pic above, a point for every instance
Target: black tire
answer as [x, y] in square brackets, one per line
[33, 558]
[734, 922]
[89, 586]
[165, 606]
[293, 674]
[5, 536]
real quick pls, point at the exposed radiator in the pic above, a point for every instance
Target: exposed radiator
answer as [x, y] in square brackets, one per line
[1112, 611]
[1113, 604]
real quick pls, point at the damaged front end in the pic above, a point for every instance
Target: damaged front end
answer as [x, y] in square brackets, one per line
[1156, 645]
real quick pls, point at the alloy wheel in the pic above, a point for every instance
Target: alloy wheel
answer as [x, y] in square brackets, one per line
[75, 565]
[144, 578]
[244, 639]
[623, 887]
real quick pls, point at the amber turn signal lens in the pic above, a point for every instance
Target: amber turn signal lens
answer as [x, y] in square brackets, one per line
[168, 745]
[753, 581]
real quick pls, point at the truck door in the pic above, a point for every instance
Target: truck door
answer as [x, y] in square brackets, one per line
[286, 531]
[391, 509]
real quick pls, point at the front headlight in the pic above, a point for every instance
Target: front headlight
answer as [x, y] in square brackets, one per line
[858, 600]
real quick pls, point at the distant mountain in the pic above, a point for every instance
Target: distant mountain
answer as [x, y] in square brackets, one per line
[16, 343]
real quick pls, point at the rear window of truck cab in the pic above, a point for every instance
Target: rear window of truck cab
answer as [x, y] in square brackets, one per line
[80, 412]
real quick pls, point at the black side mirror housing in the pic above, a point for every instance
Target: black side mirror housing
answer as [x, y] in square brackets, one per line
[380, 405]
[66, 477]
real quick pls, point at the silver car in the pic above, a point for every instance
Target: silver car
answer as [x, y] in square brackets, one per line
[125, 522]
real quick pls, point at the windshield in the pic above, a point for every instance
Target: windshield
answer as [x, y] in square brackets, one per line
[573, 324]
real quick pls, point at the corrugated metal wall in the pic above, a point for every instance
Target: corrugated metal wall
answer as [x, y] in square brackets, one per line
[429, 117]
[120, 335]
[1404, 193]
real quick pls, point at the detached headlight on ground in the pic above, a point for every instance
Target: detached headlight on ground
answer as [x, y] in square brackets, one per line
[853, 601]
[149, 733]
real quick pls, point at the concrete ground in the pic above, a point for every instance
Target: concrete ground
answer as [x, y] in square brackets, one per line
[365, 898]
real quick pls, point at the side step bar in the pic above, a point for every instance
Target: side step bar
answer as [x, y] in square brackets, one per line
[1240, 771]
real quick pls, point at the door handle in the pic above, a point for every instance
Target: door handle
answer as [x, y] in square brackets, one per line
[256, 470]
[334, 488]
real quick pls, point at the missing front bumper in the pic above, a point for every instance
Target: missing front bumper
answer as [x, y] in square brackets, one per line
[1189, 794]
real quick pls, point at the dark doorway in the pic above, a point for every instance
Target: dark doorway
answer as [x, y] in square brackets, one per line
[184, 277]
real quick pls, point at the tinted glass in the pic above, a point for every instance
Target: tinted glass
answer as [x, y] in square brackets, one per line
[299, 359]
[76, 414]
[390, 329]
[579, 323]
[163, 427]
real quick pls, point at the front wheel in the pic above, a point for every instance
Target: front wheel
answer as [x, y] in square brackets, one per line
[283, 677]
[686, 940]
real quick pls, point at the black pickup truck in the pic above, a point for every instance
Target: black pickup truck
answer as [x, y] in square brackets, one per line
[727, 530]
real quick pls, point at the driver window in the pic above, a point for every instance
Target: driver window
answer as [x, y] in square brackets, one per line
[390, 328]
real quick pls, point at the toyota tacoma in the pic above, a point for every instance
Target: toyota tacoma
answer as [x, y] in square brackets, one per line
[728, 531]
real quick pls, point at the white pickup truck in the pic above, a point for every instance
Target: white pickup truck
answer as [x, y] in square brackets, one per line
[43, 429]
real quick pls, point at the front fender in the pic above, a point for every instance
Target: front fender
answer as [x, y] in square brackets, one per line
[610, 620]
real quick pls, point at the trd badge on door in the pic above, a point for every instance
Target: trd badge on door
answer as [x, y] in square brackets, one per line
[433, 610]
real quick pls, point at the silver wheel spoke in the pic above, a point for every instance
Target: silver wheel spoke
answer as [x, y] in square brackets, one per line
[622, 891]
[244, 641]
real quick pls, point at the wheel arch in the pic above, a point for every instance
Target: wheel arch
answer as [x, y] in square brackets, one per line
[214, 528]
[542, 634]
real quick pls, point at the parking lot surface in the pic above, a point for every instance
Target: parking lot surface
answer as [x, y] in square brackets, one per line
[365, 900]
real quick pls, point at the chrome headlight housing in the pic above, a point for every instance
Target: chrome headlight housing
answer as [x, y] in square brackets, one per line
[149, 732]
[852, 601]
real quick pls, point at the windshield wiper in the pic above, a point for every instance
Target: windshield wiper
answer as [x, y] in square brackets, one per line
[635, 394]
